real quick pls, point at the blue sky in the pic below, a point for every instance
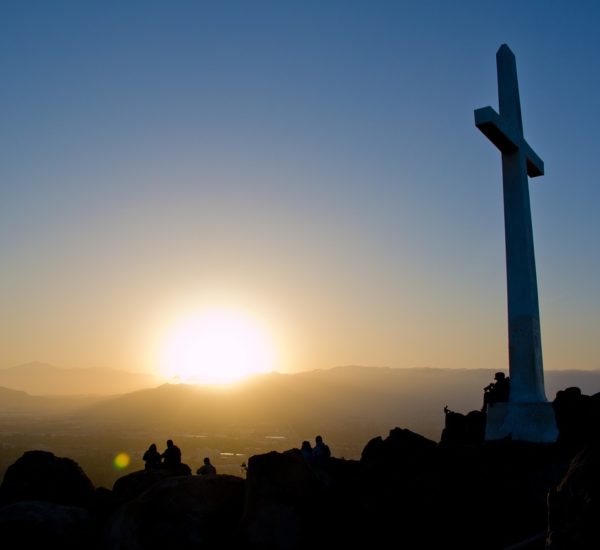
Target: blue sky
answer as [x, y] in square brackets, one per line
[313, 163]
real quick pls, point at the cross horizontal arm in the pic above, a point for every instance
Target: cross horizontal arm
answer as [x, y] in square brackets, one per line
[496, 130]
[493, 126]
[535, 165]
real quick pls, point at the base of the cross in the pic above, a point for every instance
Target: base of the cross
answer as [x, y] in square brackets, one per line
[534, 422]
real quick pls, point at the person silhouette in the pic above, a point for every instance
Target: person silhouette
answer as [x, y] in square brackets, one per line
[321, 451]
[307, 452]
[172, 455]
[496, 392]
[151, 458]
[207, 468]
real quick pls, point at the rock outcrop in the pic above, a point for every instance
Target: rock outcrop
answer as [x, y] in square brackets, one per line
[293, 504]
[577, 418]
[40, 475]
[180, 512]
[574, 505]
[463, 429]
[132, 485]
[38, 524]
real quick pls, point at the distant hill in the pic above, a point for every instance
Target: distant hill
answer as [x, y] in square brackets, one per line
[14, 400]
[15, 403]
[357, 402]
[43, 379]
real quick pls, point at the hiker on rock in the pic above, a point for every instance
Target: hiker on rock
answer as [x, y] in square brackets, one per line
[151, 458]
[496, 392]
[172, 455]
[321, 452]
[207, 468]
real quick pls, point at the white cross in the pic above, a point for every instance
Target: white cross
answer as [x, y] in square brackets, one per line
[505, 130]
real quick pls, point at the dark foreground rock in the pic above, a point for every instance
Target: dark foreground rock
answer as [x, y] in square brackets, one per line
[480, 496]
[40, 475]
[574, 506]
[292, 504]
[132, 485]
[36, 524]
[577, 418]
[180, 513]
[281, 493]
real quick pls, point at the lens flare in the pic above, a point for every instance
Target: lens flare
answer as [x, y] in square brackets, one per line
[121, 461]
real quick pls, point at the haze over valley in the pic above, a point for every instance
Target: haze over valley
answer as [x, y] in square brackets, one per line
[347, 405]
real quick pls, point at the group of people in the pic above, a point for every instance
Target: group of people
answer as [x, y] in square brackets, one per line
[316, 455]
[171, 459]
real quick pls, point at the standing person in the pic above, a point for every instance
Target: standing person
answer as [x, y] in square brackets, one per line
[172, 455]
[151, 458]
[207, 469]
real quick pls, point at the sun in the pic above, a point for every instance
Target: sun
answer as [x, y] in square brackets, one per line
[217, 346]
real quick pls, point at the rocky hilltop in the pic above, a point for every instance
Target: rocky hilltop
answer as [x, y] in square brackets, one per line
[406, 490]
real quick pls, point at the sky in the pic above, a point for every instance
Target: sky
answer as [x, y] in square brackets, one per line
[312, 164]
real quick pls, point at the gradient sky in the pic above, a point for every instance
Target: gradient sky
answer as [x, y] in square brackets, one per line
[313, 163]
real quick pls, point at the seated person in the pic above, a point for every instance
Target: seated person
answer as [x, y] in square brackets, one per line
[151, 458]
[321, 451]
[496, 392]
[207, 468]
[307, 451]
[172, 455]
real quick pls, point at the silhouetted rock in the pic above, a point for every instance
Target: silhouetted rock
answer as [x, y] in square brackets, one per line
[571, 410]
[180, 469]
[134, 484]
[476, 496]
[577, 418]
[289, 504]
[397, 470]
[37, 524]
[402, 449]
[180, 512]
[499, 488]
[464, 429]
[574, 506]
[102, 505]
[39, 475]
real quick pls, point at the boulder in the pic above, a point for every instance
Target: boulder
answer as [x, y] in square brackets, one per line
[574, 505]
[577, 418]
[40, 475]
[38, 524]
[463, 429]
[132, 485]
[180, 512]
[284, 500]
[402, 451]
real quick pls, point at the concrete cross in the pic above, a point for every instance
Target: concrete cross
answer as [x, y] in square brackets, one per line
[527, 416]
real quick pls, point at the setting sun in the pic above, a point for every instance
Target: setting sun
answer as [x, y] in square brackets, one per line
[217, 347]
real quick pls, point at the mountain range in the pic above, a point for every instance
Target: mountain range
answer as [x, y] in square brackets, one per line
[43, 379]
[350, 401]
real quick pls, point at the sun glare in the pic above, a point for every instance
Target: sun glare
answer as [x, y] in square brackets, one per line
[215, 347]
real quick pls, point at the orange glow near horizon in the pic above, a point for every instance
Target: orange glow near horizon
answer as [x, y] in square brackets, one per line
[216, 346]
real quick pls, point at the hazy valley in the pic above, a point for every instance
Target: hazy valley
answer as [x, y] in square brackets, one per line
[347, 405]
